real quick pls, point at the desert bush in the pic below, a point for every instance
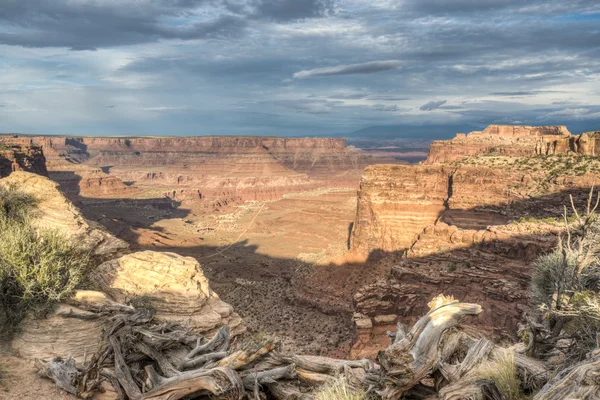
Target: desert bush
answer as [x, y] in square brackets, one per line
[339, 390]
[14, 204]
[565, 286]
[38, 267]
[503, 371]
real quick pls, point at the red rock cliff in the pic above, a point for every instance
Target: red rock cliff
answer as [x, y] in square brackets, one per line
[471, 228]
[21, 157]
[517, 141]
[214, 170]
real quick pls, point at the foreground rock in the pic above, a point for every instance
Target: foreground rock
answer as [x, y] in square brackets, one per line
[54, 211]
[171, 285]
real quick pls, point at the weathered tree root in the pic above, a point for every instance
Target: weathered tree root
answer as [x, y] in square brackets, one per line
[148, 361]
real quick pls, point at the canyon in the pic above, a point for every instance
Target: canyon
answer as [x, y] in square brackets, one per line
[326, 246]
[470, 221]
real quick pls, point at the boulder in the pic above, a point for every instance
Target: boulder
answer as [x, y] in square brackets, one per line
[173, 285]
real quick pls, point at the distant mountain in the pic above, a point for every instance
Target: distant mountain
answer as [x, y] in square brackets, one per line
[445, 131]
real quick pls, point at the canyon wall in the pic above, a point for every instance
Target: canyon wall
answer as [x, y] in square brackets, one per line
[199, 171]
[18, 157]
[516, 141]
[471, 226]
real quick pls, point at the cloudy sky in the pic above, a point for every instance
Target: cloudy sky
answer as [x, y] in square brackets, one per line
[296, 67]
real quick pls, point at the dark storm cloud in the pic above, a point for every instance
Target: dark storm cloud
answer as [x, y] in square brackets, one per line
[432, 105]
[363, 68]
[469, 7]
[539, 60]
[287, 10]
[88, 25]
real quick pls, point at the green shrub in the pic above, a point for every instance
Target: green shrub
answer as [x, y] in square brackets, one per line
[44, 264]
[14, 204]
[38, 267]
[551, 273]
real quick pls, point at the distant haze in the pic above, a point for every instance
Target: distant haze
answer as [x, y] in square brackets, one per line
[375, 68]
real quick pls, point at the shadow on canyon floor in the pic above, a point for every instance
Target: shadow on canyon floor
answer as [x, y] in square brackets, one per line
[310, 306]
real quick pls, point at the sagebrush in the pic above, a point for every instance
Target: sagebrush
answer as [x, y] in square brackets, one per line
[38, 267]
[565, 287]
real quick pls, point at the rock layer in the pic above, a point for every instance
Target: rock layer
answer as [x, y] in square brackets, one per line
[471, 226]
[517, 141]
[17, 157]
[221, 170]
[173, 285]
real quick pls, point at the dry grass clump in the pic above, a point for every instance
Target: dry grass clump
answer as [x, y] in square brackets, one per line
[503, 371]
[339, 390]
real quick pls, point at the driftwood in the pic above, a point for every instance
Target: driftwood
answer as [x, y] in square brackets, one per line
[482, 389]
[413, 355]
[581, 381]
[144, 360]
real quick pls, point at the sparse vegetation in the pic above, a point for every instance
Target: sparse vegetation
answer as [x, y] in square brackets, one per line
[503, 371]
[566, 287]
[339, 390]
[37, 266]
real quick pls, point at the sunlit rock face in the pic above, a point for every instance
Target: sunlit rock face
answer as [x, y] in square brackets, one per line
[55, 211]
[509, 140]
[469, 222]
[173, 285]
[200, 169]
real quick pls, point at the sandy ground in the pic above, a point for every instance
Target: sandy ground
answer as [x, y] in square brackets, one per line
[20, 381]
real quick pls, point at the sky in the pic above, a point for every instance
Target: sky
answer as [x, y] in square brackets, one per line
[297, 67]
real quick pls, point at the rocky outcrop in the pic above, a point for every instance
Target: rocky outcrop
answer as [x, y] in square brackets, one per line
[54, 211]
[471, 227]
[395, 203]
[516, 141]
[491, 266]
[16, 157]
[174, 286]
[588, 143]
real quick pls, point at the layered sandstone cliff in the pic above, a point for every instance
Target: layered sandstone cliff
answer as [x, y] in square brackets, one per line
[471, 227]
[508, 140]
[208, 171]
[17, 157]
